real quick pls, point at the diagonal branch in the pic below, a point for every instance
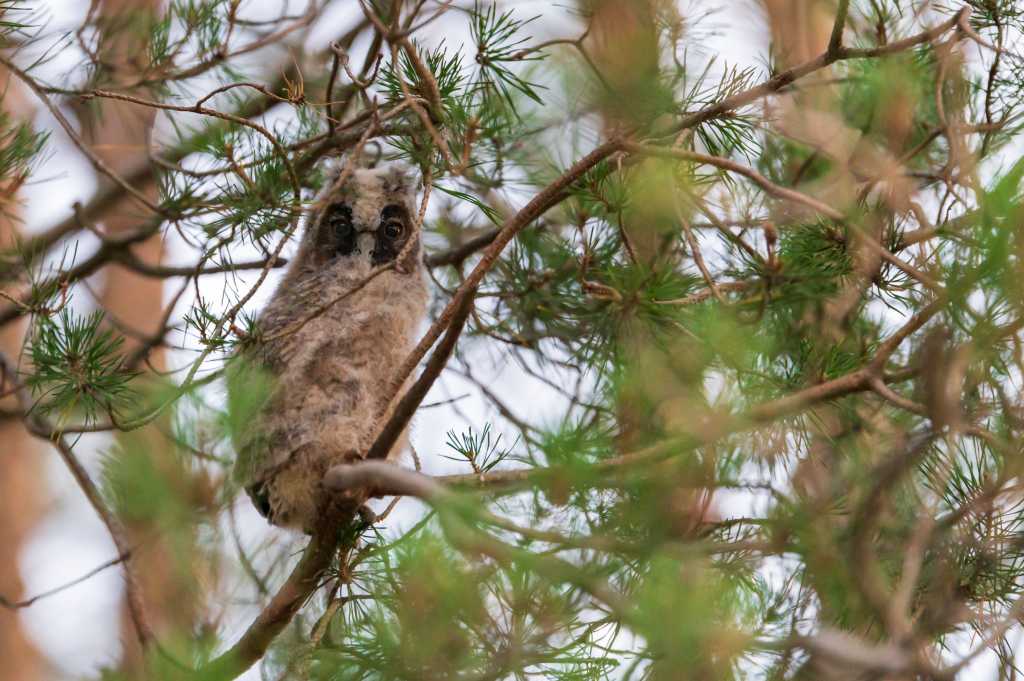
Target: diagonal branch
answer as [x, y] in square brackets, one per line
[551, 195]
[767, 185]
[407, 406]
[293, 594]
[28, 602]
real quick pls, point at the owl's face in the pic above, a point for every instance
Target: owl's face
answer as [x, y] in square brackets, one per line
[366, 221]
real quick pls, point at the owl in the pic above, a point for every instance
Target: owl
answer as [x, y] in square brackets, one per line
[316, 375]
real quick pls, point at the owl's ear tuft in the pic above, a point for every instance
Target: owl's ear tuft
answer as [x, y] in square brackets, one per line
[404, 179]
[331, 169]
[333, 166]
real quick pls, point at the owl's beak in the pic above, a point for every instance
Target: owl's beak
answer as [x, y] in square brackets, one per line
[365, 241]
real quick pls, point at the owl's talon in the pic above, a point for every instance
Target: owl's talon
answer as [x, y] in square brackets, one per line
[367, 515]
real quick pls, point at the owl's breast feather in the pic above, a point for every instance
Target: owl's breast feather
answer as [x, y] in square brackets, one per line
[332, 353]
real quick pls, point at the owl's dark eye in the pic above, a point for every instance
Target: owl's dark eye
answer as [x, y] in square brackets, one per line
[391, 234]
[338, 228]
[341, 227]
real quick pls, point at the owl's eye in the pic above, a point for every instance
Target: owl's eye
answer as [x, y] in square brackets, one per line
[339, 217]
[393, 229]
[341, 226]
[338, 228]
[391, 234]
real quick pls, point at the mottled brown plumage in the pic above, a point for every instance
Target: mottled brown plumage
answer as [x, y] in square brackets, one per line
[330, 369]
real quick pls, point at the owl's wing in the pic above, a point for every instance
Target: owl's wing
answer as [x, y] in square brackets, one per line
[248, 391]
[251, 397]
[253, 391]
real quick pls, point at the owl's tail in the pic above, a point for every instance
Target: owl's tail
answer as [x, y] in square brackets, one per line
[260, 498]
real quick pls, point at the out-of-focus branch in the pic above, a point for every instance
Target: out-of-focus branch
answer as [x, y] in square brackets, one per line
[293, 594]
[760, 180]
[835, 41]
[790, 76]
[43, 429]
[458, 255]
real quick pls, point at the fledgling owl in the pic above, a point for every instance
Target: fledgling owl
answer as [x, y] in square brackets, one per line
[329, 343]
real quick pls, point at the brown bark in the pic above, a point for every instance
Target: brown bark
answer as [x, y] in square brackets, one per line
[119, 133]
[21, 485]
[800, 29]
[623, 43]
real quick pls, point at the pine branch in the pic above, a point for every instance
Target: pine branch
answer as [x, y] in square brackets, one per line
[551, 195]
[767, 185]
[43, 429]
[788, 77]
[304, 579]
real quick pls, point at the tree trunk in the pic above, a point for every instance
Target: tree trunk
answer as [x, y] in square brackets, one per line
[119, 133]
[21, 485]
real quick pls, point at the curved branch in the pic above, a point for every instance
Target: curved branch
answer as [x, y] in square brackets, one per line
[293, 594]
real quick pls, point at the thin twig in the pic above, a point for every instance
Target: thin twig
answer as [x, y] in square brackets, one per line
[27, 602]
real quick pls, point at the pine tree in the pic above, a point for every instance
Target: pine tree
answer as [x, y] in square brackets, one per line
[778, 308]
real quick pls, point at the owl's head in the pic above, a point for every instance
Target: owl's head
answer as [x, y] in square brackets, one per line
[368, 218]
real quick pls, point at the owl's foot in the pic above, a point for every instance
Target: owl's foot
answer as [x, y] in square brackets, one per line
[367, 515]
[332, 518]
